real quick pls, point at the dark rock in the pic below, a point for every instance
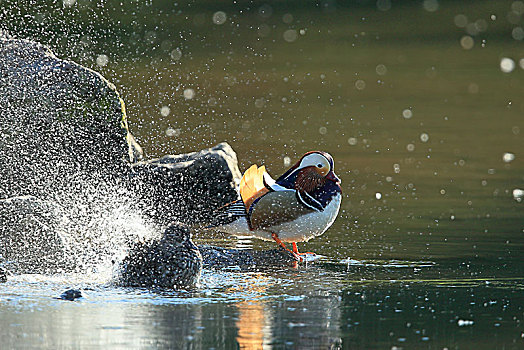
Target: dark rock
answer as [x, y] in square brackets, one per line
[3, 274]
[71, 295]
[172, 261]
[56, 117]
[187, 187]
[29, 242]
[245, 259]
[64, 139]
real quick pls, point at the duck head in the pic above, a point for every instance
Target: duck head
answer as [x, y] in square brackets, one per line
[313, 171]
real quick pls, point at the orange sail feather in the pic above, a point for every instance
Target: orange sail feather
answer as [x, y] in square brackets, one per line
[252, 185]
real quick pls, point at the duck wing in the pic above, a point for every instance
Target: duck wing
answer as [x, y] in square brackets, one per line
[276, 207]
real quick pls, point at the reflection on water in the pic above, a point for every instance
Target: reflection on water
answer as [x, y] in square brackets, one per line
[252, 320]
[252, 325]
[323, 306]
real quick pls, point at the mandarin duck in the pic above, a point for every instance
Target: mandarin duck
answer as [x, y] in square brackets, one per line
[299, 205]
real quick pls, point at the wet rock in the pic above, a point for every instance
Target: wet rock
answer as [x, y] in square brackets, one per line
[245, 259]
[29, 242]
[56, 118]
[172, 261]
[3, 274]
[65, 145]
[187, 187]
[71, 295]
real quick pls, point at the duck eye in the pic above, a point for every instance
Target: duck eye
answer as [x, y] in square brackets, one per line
[319, 165]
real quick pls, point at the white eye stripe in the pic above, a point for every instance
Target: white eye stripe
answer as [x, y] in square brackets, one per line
[314, 159]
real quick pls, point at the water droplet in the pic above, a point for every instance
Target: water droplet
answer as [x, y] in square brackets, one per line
[219, 17]
[442, 191]
[378, 195]
[381, 69]
[287, 18]
[467, 42]
[189, 94]
[517, 33]
[462, 323]
[265, 11]
[383, 5]
[507, 65]
[424, 137]
[322, 130]
[102, 60]
[396, 168]
[430, 5]
[410, 147]
[518, 7]
[287, 161]
[352, 141]
[69, 3]
[260, 102]
[360, 84]
[290, 35]
[508, 157]
[170, 132]
[176, 54]
[460, 20]
[164, 111]
[407, 113]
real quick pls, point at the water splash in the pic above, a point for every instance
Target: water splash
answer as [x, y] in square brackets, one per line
[98, 224]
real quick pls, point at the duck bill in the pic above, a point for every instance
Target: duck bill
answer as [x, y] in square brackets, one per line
[331, 176]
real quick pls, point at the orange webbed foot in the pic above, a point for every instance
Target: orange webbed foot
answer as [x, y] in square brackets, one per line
[295, 254]
[301, 255]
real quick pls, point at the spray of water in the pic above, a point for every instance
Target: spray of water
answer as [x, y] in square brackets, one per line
[63, 149]
[98, 224]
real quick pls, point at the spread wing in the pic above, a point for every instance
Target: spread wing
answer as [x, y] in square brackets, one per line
[252, 185]
[275, 208]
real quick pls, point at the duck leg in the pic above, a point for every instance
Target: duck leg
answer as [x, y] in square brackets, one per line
[296, 255]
